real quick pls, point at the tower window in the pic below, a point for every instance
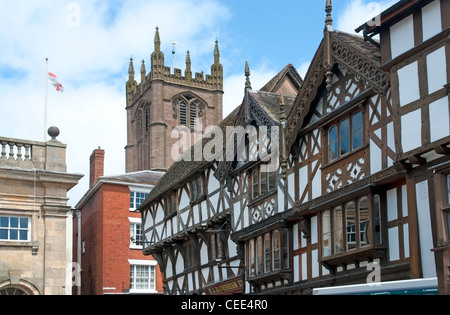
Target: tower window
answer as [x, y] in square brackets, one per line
[188, 109]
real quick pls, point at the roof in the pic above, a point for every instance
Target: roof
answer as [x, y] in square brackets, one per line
[142, 178]
[398, 11]
[289, 71]
[270, 103]
[353, 52]
[187, 167]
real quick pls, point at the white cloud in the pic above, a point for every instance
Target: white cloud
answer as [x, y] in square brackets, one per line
[91, 60]
[357, 12]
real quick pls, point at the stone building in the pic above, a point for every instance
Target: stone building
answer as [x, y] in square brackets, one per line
[35, 220]
[163, 101]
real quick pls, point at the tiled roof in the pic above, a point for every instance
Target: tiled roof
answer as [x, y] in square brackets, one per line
[143, 177]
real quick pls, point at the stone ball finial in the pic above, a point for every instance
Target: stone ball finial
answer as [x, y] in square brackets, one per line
[53, 132]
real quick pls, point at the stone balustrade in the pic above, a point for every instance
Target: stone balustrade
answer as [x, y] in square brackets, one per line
[26, 154]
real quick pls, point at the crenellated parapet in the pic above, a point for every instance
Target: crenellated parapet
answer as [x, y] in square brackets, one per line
[159, 71]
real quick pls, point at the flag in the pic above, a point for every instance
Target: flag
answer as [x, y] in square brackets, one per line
[54, 81]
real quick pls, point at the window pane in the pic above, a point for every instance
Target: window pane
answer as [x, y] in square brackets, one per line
[345, 137]
[3, 234]
[285, 249]
[14, 222]
[255, 178]
[338, 231]
[132, 200]
[23, 223]
[4, 222]
[364, 220]
[23, 235]
[267, 252]
[259, 255]
[357, 131]
[263, 183]
[276, 250]
[272, 180]
[351, 225]
[332, 144]
[326, 237]
[13, 235]
[377, 213]
[251, 257]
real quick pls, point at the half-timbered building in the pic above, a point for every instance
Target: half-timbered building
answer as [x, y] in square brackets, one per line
[361, 193]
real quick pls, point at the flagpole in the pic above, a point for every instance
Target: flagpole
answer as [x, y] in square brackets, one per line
[46, 97]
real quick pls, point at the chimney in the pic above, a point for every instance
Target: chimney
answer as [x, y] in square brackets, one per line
[97, 163]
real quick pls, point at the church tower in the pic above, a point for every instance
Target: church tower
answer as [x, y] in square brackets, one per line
[163, 101]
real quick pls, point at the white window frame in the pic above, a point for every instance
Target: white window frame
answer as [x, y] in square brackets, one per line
[28, 229]
[134, 221]
[133, 192]
[145, 263]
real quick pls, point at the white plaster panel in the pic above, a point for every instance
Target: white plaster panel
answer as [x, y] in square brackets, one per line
[314, 230]
[185, 201]
[315, 263]
[159, 214]
[439, 119]
[391, 136]
[179, 267]
[236, 214]
[394, 252]
[404, 201]
[169, 271]
[204, 254]
[402, 36]
[375, 158]
[436, 70]
[296, 269]
[425, 234]
[216, 274]
[406, 239]
[317, 182]
[291, 185]
[232, 248]
[411, 130]
[391, 197]
[213, 184]
[205, 273]
[431, 19]
[295, 237]
[304, 267]
[280, 196]
[408, 78]
[214, 202]
[303, 175]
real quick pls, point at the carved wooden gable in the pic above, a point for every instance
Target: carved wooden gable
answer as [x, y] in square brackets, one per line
[353, 62]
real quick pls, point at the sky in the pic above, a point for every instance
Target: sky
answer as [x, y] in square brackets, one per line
[89, 43]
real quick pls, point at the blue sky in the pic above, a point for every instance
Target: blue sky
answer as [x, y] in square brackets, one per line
[89, 43]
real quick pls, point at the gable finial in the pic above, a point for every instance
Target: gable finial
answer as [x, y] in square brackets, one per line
[248, 84]
[329, 9]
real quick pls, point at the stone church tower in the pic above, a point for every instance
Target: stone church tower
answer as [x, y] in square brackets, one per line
[163, 101]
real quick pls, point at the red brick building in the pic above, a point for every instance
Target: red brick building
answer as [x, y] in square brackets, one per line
[108, 234]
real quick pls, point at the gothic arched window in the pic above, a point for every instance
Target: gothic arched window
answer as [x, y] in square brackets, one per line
[187, 110]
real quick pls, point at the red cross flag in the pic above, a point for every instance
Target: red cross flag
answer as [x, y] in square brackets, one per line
[54, 81]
